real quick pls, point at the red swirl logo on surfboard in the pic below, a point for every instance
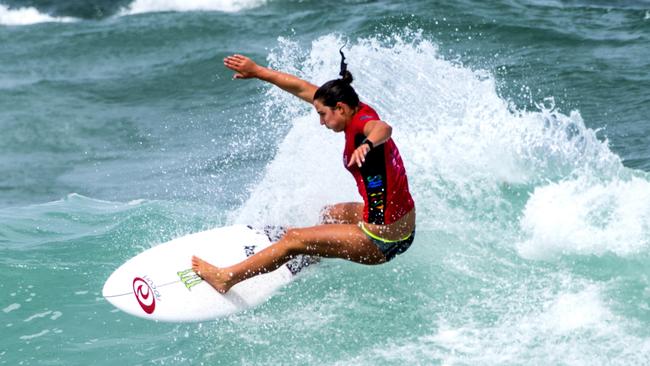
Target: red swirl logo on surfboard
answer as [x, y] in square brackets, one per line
[144, 294]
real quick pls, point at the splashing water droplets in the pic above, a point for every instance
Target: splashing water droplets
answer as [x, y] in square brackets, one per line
[460, 140]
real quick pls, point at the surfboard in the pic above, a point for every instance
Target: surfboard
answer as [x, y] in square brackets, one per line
[159, 283]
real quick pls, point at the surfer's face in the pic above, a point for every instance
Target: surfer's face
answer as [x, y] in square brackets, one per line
[333, 118]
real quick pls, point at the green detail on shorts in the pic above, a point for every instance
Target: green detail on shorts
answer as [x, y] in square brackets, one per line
[377, 237]
[189, 278]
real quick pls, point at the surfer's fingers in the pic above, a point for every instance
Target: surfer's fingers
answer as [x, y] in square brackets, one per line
[241, 69]
[234, 60]
[231, 63]
[358, 157]
[354, 160]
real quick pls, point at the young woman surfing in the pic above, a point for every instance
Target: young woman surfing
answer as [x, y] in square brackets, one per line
[371, 232]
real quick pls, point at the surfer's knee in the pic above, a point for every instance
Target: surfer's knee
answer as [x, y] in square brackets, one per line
[341, 213]
[327, 214]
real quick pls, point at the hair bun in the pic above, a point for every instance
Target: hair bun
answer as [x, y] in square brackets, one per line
[346, 76]
[338, 90]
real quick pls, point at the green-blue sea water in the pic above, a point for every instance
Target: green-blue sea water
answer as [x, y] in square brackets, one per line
[524, 129]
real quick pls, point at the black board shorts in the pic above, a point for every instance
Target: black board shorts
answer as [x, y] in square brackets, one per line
[390, 248]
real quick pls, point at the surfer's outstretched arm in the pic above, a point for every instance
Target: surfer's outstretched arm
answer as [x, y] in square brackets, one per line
[245, 68]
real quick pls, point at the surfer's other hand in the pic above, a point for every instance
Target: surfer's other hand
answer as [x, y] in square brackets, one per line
[359, 155]
[243, 66]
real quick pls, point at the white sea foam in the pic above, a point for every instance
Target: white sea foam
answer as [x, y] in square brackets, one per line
[38, 315]
[570, 312]
[295, 189]
[562, 330]
[587, 218]
[151, 6]
[32, 336]
[26, 16]
[461, 142]
[11, 308]
[559, 328]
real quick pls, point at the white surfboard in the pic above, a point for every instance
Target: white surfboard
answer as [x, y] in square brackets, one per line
[159, 283]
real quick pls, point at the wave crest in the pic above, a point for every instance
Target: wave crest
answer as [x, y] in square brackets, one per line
[151, 6]
[580, 217]
[27, 16]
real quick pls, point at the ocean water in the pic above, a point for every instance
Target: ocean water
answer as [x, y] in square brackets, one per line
[523, 125]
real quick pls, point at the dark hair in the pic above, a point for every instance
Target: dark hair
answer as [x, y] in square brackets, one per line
[338, 90]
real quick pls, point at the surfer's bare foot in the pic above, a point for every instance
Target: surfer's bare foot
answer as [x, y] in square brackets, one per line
[216, 277]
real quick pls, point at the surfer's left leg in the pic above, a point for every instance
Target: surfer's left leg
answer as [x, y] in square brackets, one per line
[344, 241]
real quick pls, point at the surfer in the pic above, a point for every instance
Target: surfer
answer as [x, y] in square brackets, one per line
[372, 232]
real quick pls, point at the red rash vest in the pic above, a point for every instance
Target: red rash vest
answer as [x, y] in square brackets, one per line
[381, 180]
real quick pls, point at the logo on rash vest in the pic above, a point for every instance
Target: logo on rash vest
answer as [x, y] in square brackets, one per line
[145, 294]
[376, 198]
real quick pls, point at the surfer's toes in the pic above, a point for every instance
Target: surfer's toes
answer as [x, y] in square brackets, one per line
[200, 266]
[211, 274]
[196, 265]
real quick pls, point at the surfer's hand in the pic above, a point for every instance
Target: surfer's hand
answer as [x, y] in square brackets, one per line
[359, 155]
[243, 66]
